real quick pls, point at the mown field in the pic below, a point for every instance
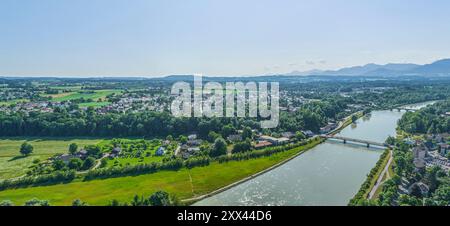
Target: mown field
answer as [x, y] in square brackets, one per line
[12, 164]
[101, 192]
[97, 94]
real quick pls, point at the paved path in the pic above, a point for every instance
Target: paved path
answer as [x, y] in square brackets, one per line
[177, 150]
[380, 178]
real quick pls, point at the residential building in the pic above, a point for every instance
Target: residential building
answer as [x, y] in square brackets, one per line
[160, 151]
[262, 144]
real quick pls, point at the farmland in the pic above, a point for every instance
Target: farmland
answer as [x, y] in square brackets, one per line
[94, 95]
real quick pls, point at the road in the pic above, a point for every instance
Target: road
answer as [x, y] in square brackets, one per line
[380, 178]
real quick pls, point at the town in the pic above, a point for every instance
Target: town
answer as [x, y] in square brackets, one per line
[67, 130]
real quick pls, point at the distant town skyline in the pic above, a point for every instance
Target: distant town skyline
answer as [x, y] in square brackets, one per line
[216, 38]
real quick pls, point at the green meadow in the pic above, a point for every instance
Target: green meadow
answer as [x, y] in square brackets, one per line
[95, 95]
[12, 164]
[94, 104]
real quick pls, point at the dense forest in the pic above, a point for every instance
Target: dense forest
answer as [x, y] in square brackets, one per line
[432, 119]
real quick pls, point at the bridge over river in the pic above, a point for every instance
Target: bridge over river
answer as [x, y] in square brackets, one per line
[329, 174]
[368, 143]
[408, 109]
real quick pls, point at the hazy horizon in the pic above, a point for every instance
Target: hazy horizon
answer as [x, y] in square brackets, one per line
[117, 38]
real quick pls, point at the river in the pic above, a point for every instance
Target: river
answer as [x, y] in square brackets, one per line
[330, 174]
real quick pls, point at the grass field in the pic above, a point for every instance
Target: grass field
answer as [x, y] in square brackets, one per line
[97, 94]
[100, 192]
[94, 104]
[74, 88]
[13, 165]
[12, 102]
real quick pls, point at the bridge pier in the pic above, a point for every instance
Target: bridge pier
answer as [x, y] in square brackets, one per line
[345, 141]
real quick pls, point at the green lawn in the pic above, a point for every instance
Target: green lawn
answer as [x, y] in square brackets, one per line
[100, 192]
[97, 94]
[13, 165]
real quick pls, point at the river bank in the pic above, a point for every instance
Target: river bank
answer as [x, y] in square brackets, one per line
[342, 124]
[328, 174]
[308, 147]
[380, 173]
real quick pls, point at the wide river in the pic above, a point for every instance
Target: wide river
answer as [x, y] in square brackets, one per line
[329, 174]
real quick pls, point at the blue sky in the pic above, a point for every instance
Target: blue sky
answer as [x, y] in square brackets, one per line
[216, 37]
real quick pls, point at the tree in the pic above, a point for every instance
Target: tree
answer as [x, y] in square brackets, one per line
[431, 177]
[6, 203]
[93, 150]
[247, 133]
[299, 136]
[183, 139]
[58, 164]
[75, 163]
[73, 148]
[406, 200]
[212, 136]
[415, 191]
[160, 198]
[442, 195]
[242, 146]
[228, 130]
[88, 163]
[354, 118]
[390, 140]
[37, 202]
[114, 202]
[138, 201]
[26, 149]
[78, 202]
[220, 148]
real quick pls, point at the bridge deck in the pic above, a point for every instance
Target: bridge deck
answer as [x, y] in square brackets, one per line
[368, 142]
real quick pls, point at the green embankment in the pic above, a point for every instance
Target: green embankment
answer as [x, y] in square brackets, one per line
[371, 179]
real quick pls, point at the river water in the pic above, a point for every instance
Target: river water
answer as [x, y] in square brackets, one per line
[329, 174]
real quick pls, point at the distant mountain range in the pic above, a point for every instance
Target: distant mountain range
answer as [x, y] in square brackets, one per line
[438, 68]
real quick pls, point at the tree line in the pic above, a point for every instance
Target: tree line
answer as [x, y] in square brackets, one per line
[62, 123]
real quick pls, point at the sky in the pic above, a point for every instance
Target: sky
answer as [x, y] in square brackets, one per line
[86, 38]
